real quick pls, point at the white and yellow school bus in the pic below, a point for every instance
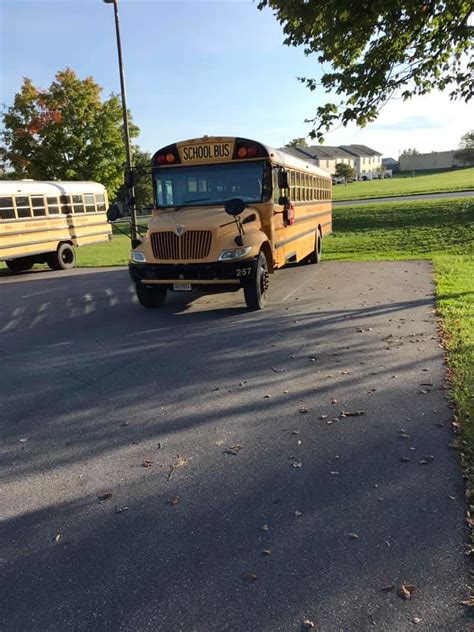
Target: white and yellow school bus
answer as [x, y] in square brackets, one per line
[279, 208]
[40, 222]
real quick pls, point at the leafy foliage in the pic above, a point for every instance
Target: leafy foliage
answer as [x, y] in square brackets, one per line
[410, 152]
[379, 49]
[297, 142]
[465, 153]
[65, 132]
[345, 171]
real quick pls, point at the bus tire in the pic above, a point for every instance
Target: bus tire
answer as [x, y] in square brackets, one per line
[22, 264]
[63, 259]
[315, 256]
[257, 290]
[150, 297]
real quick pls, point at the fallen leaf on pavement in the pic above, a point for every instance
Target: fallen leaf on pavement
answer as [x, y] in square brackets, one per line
[428, 458]
[295, 465]
[353, 536]
[233, 449]
[299, 442]
[265, 527]
[23, 440]
[307, 624]
[267, 551]
[119, 510]
[355, 413]
[147, 463]
[416, 620]
[173, 501]
[303, 409]
[406, 591]
[389, 588]
[278, 370]
[103, 497]
[333, 401]
[469, 603]
[298, 514]
[57, 537]
[323, 416]
[405, 459]
[267, 396]
[251, 577]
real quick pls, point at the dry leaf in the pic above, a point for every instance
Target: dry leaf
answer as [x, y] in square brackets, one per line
[233, 449]
[103, 497]
[428, 458]
[355, 413]
[278, 370]
[147, 463]
[298, 514]
[173, 501]
[307, 624]
[334, 473]
[405, 459]
[303, 410]
[23, 440]
[295, 465]
[404, 434]
[406, 591]
[333, 401]
[389, 588]
[353, 536]
[252, 577]
[119, 510]
[469, 603]
[267, 396]
[416, 620]
[57, 537]
[265, 527]
[267, 551]
[299, 442]
[323, 416]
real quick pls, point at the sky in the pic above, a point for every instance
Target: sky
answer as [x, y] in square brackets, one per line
[202, 67]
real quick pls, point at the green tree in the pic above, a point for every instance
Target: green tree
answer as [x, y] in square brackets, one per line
[345, 171]
[465, 153]
[143, 182]
[378, 49]
[297, 142]
[410, 152]
[65, 132]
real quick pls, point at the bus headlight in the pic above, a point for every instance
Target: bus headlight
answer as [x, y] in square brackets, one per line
[235, 253]
[137, 257]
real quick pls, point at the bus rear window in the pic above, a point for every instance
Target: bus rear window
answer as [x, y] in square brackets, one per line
[6, 208]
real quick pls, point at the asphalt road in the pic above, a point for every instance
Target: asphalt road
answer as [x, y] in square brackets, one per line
[310, 514]
[404, 198]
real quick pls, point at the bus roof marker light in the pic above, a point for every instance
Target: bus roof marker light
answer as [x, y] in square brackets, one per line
[160, 159]
[169, 158]
[251, 151]
[242, 153]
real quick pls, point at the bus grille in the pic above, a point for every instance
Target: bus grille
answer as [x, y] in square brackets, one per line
[193, 244]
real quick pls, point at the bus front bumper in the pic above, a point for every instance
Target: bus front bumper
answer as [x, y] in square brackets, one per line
[208, 277]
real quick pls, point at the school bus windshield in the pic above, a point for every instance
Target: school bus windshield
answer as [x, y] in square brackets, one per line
[212, 184]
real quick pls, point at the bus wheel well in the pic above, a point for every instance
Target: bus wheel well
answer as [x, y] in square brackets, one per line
[266, 249]
[320, 230]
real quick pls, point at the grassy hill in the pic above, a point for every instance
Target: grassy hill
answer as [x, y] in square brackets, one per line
[406, 184]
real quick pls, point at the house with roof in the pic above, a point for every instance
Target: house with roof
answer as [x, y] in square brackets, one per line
[363, 159]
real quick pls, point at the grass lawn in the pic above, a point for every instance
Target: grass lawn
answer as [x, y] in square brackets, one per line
[404, 184]
[442, 231]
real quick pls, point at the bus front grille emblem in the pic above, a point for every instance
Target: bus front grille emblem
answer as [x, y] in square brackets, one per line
[179, 230]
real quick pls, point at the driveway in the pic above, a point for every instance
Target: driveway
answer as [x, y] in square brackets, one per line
[199, 468]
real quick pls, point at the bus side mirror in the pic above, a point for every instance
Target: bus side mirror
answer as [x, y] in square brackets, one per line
[113, 213]
[129, 178]
[283, 200]
[283, 179]
[234, 207]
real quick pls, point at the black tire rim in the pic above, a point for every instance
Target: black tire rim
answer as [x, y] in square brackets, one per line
[263, 279]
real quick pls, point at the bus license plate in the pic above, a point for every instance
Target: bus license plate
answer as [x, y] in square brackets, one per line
[182, 287]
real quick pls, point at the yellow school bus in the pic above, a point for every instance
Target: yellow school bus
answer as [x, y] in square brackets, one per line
[229, 212]
[41, 222]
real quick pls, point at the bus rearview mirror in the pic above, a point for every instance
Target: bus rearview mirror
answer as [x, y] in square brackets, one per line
[234, 207]
[113, 213]
[283, 179]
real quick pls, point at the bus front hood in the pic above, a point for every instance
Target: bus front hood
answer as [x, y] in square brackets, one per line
[195, 218]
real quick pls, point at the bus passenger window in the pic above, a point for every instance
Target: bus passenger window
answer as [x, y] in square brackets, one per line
[23, 206]
[38, 206]
[78, 204]
[6, 208]
[89, 202]
[100, 199]
[53, 206]
[66, 207]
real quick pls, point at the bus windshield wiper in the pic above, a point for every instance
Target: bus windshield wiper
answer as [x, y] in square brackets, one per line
[188, 202]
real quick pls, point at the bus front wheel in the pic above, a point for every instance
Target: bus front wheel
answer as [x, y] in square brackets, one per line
[22, 264]
[256, 292]
[63, 259]
[150, 297]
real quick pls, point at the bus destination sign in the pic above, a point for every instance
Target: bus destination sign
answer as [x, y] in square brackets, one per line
[208, 151]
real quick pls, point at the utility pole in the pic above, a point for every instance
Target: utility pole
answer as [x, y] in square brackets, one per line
[129, 179]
